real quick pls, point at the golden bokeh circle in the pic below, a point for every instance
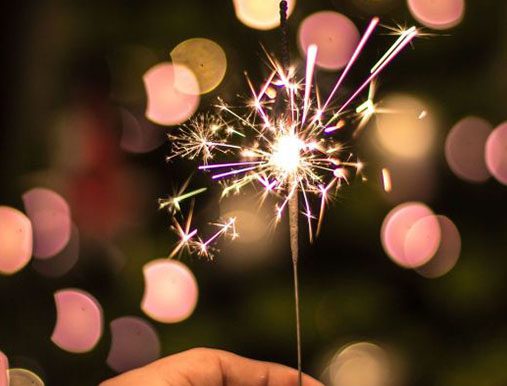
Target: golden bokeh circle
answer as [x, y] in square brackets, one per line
[205, 58]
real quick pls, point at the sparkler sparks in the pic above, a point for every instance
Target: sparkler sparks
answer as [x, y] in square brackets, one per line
[289, 154]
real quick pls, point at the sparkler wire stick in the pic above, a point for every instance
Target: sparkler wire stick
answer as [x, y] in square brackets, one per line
[293, 200]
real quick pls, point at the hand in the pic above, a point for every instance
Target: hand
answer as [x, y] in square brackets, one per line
[207, 367]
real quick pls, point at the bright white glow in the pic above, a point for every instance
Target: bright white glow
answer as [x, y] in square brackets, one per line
[287, 153]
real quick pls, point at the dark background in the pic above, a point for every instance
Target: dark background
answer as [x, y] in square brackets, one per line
[57, 63]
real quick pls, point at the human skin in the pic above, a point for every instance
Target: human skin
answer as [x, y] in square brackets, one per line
[208, 367]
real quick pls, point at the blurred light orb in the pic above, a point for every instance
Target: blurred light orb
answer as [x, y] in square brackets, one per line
[422, 240]
[205, 58]
[51, 221]
[496, 153]
[79, 321]
[16, 240]
[465, 149]
[139, 135]
[134, 343]
[63, 261]
[335, 35]
[167, 105]
[406, 239]
[261, 14]
[249, 225]
[401, 129]
[437, 14]
[171, 292]
[24, 377]
[360, 364]
[448, 251]
[4, 367]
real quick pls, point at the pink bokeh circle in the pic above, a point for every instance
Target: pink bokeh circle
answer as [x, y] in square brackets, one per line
[437, 14]
[171, 291]
[335, 36]
[410, 234]
[465, 149]
[496, 153]
[166, 105]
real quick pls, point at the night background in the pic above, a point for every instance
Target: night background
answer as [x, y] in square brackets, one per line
[73, 121]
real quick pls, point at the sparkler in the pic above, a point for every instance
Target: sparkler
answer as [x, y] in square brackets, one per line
[285, 145]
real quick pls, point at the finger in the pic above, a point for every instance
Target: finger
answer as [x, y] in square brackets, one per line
[206, 367]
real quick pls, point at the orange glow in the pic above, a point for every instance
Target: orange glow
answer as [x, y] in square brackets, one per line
[399, 129]
[15, 240]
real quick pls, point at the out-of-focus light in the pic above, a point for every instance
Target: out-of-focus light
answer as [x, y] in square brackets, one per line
[410, 234]
[15, 240]
[437, 14]
[171, 291]
[465, 149]
[249, 225]
[139, 135]
[134, 343]
[448, 252]
[386, 180]
[167, 105]
[335, 35]
[260, 14]
[205, 58]
[360, 364]
[399, 129]
[51, 221]
[496, 153]
[79, 321]
[422, 241]
[4, 367]
[23, 377]
[64, 261]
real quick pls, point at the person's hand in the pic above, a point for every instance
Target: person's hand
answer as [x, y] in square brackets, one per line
[207, 367]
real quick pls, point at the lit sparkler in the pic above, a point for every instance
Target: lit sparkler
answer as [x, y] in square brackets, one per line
[290, 155]
[289, 152]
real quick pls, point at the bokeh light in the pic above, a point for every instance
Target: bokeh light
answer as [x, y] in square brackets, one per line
[24, 377]
[62, 262]
[360, 364]
[171, 291]
[335, 35]
[437, 14]
[496, 153]
[79, 321]
[205, 58]
[260, 14]
[15, 240]
[410, 234]
[465, 149]
[51, 221]
[134, 343]
[401, 127]
[448, 252]
[139, 135]
[167, 105]
[4, 367]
